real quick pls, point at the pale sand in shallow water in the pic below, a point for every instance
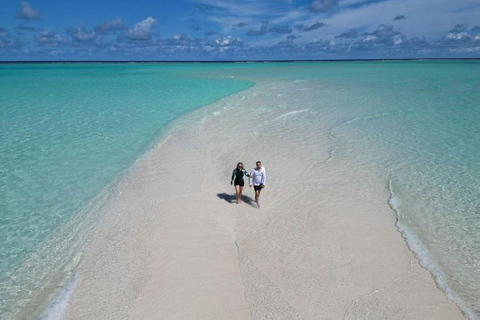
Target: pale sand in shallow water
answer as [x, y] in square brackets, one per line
[174, 245]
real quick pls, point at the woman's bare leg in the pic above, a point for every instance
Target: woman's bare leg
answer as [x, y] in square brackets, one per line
[239, 192]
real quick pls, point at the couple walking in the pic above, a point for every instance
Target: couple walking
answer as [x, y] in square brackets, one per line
[256, 177]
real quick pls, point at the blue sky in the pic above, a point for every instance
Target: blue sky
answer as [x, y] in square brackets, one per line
[238, 29]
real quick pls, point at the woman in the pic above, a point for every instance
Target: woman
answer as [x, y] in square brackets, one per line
[237, 179]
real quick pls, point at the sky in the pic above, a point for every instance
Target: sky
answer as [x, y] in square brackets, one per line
[238, 29]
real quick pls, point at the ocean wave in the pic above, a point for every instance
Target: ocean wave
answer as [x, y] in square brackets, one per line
[421, 253]
[56, 309]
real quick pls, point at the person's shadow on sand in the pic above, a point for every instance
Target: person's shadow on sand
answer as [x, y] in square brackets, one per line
[231, 198]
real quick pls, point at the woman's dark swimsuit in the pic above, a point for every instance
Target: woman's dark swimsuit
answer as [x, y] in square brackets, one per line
[238, 176]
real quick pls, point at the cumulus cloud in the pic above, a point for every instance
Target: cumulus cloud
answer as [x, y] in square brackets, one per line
[280, 29]
[223, 45]
[175, 40]
[321, 46]
[7, 42]
[142, 30]
[387, 42]
[460, 41]
[112, 27]
[27, 13]
[321, 6]
[178, 46]
[285, 47]
[382, 42]
[304, 28]
[82, 36]
[350, 34]
[458, 37]
[227, 42]
[400, 17]
[383, 34]
[263, 30]
[47, 38]
[459, 28]
[239, 25]
[178, 42]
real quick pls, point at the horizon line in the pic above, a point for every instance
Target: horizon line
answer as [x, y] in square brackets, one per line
[227, 61]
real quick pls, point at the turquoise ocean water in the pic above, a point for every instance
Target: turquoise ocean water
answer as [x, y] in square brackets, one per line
[69, 130]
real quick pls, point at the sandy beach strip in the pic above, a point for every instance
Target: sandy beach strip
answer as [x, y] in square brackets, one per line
[173, 245]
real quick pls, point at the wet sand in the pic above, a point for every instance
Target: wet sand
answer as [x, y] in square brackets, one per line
[172, 243]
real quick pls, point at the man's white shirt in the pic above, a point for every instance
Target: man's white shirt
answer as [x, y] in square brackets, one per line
[258, 176]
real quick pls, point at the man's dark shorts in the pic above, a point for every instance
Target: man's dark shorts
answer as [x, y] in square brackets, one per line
[258, 188]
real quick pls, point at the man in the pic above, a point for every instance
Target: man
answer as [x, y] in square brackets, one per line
[257, 178]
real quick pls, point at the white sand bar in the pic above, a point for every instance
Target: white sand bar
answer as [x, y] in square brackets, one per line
[173, 245]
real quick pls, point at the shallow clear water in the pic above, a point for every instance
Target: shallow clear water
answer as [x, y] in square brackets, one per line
[68, 130]
[421, 121]
[418, 124]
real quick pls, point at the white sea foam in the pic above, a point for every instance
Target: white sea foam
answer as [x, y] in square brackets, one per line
[289, 114]
[369, 117]
[56, 308]
[424, 258]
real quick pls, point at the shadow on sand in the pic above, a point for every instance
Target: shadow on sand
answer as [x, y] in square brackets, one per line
[231, 198]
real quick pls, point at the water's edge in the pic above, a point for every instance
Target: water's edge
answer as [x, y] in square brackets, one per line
[53, 304]
[421, 254]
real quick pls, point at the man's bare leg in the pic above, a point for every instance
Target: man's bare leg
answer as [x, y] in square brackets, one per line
[257, 197]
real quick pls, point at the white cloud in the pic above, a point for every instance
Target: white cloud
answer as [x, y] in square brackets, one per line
[141, 30]
[27, 12]
[323, 5]
[112, 26]
[82, 37]
[442, 14]
[48, 38]
[242, 8]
